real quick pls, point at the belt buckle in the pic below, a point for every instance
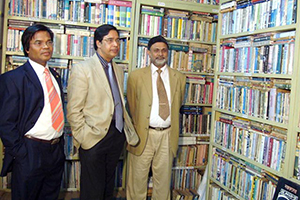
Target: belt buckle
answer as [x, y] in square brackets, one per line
[159, 128]
[55, 141]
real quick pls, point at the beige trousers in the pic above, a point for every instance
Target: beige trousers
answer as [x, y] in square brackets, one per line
[158, 154]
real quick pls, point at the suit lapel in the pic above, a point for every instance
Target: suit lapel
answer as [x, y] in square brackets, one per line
[98, 69]
[30, 73]
[147, 81]
[173, 82]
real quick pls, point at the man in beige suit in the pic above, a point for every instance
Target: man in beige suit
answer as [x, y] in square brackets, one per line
[156, 122]
[95, 113]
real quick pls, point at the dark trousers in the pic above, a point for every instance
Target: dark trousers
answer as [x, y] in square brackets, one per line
[98, 166]
[37, 171]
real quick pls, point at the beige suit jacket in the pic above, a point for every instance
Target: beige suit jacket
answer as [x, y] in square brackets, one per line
[90, 102]
[139, 96]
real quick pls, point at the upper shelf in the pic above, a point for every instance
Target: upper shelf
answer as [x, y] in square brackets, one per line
[62, 22]
[183, 5]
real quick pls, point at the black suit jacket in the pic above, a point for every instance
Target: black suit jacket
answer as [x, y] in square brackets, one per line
[21, 103]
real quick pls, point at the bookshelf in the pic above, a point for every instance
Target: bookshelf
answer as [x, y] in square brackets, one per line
[190, 29]
[73, 23]
[255, 112]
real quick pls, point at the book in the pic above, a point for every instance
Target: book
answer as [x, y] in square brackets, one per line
[286, 190]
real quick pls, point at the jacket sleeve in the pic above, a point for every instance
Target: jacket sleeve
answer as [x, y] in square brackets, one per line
[9, 115]
[131, 96]
[77, 93]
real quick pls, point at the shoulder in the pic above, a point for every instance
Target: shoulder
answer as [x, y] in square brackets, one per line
[140, 71]
[177, 73]
[89, 62]
[16, 73]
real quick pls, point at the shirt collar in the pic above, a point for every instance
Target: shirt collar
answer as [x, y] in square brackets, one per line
[154, 68]
[102, 60]
[38, 68]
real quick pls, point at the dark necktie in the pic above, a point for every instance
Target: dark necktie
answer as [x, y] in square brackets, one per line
[118, 112]
[164, 110]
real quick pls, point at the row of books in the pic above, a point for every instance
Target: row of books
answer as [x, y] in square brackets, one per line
[114, 12]
[210, 2]
[177, 24]
[71, 151]
[185, 179]
[242, 178]
[242, 136]
[195, 124]
[76, 42]
[244, 16]
[191, 155]
[71, 175]
[217, 193]
[199, 90]
[6, 181]
[254, 99]
[196, 120]
[192, 57]
[296, 173]
[260, 54]
[181, 194]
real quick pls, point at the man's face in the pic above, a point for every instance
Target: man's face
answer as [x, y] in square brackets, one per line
[40, 47]
[110, 46]
[158, 54]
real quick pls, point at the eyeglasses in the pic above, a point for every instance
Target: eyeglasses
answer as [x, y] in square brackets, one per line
[42, 44]
[111, 40]
[157, 50]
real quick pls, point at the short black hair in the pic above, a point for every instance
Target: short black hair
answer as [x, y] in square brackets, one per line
[156, 39]
[29, 33]
[102, 31]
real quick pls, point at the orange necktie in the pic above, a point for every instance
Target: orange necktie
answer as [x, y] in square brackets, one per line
[164, 110]
[55, 103]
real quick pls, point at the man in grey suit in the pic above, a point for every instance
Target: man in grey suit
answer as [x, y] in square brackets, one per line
[95, 113]
[155, 94]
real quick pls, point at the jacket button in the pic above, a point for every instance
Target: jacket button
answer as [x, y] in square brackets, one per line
[148, 117]
[105, 129]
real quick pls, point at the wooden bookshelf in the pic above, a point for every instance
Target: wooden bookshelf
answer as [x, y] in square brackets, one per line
[231, 30]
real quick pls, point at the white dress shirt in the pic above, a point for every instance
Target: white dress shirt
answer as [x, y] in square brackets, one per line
[155, 119]
[43, 129]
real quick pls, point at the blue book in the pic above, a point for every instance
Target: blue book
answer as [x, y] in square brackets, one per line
[110, 14]
[84, 46]
[128, 17]
[278, 104]
[279, 59]
[289, 16]
[122, 16]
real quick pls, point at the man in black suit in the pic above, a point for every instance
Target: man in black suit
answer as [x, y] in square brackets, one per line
[31, 121]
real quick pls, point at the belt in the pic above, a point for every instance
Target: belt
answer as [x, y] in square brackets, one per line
[52, 142]
[159, 128]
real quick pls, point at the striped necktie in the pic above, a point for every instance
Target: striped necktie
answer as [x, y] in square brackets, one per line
[55, 103]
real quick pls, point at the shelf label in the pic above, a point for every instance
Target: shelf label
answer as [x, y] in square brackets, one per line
[161, 3]
[70, 22]
[34, 19]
